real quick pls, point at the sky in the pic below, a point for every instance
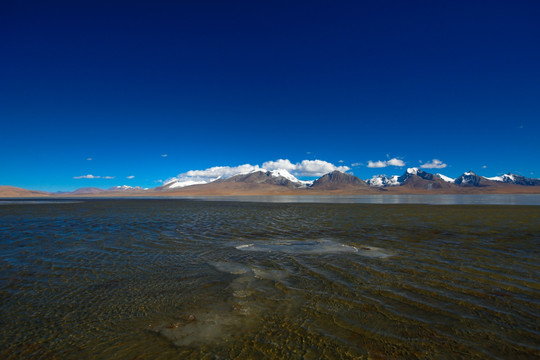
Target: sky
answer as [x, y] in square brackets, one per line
[108, 93]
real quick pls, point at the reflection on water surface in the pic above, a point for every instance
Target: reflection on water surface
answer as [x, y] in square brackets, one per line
[200, 279]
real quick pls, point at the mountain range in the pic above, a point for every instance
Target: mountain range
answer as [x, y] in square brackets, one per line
[281, 182]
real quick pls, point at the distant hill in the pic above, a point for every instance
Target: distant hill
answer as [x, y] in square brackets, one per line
[338, 180]
[88, 191]
[11, 191]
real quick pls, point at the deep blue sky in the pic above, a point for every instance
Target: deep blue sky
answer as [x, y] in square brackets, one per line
[226, 83]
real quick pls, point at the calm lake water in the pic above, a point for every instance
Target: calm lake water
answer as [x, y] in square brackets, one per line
[190, 279]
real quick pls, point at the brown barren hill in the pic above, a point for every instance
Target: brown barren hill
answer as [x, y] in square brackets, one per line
[15, 192]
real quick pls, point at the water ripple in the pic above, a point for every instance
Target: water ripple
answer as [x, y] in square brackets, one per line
[172, 279]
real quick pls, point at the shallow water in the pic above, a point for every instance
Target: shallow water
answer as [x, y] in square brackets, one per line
[194, 279]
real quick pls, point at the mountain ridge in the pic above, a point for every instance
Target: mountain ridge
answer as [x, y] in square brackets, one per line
[281, 182]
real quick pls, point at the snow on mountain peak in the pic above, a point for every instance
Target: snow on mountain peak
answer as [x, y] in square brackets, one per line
[123, 187]
[183, 182]
[413, 171]
[287, 175]
[446, 178]
[280, 173]
[383, 180]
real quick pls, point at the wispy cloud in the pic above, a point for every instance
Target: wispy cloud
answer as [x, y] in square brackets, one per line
[130, 177]
[90, 176]
[164, 155]
[357, 164]
[381, 164]
[434, 164]
[89, 159]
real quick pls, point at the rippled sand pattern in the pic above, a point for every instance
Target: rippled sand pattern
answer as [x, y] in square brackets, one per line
[163, 279]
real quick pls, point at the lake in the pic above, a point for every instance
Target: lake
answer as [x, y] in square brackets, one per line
[437, 278]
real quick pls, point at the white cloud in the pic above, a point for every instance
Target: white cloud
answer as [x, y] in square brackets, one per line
[317, 168]
[89, 159]
[222, 171]
[357, 164]
[484, 167]
[381, 164]
[279, 164]
[341, 161]
[90, 176]
[396, 162]
[130, 177]
[211, 174]
[164, 155]
[308, 168]
[434, 164]
[376, 164]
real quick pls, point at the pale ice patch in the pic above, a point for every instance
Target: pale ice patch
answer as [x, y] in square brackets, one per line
[372, 251]
[323, 246]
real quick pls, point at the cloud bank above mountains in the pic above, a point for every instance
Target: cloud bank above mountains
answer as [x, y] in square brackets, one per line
[305, 168]
[302, 170]
[308, 168]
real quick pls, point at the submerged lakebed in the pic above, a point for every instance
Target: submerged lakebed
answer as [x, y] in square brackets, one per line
[177, 278]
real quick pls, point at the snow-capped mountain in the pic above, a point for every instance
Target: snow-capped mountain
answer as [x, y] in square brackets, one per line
[287, 175]
[469, 179]
[262, 176]
[419, 179]
[383, 180]
[515, 179]
[412, 172]
[412, 178]
[280, 176]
